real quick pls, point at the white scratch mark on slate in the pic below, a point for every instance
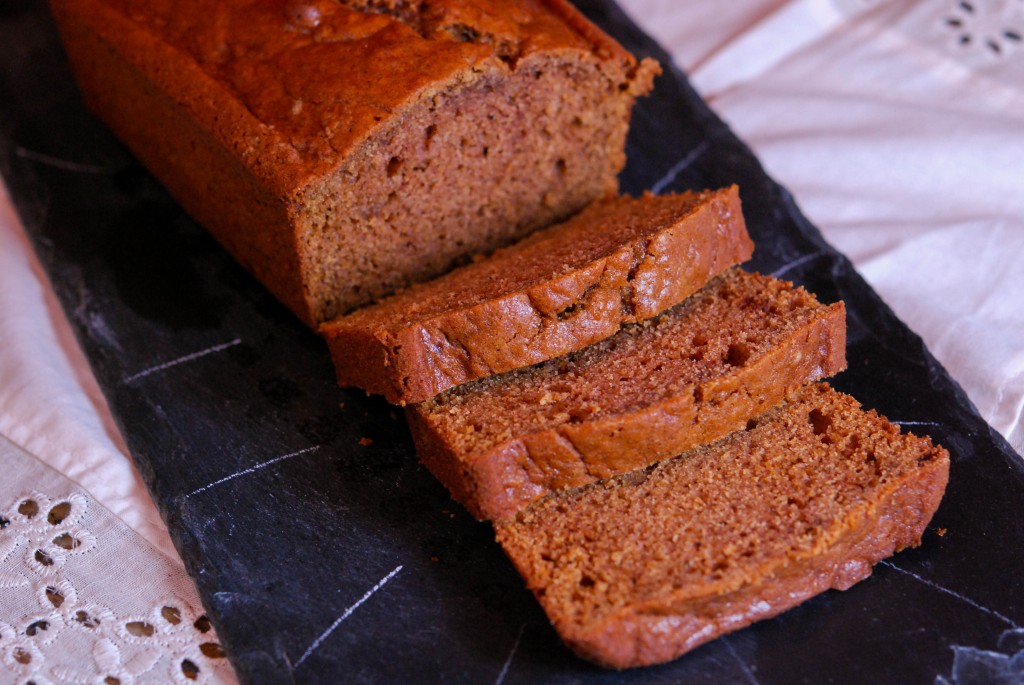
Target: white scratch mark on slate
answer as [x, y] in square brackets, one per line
[678, 167]
[743, 664]
[797, 262]
[348, 612]
[58, 163]
[918, 423]
[182, 360]
[251, 469]
[951, 593]
[511, 655]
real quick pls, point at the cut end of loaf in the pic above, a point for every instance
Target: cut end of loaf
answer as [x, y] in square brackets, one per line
[643, 567]
[459, 173]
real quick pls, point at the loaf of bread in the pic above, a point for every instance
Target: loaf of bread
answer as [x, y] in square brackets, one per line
[694, 374]
[619, 261]
[343, 149]
[644, 567]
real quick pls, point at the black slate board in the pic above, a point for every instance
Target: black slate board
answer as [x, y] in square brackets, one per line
[324, 560]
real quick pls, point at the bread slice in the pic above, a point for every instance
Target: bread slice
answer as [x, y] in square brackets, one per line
[342, 150]
[653, 390]
[641, 568]
[621, 260]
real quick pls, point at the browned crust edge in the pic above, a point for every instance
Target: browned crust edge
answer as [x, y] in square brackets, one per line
[501, 481]
[643, 636]
[127, 81]
[638, 281]
[641, 74]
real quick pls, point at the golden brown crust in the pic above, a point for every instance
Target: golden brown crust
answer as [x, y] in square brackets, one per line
[277, 107]
[255, 56]
[645, 567]
[620, 261]
[605, 427]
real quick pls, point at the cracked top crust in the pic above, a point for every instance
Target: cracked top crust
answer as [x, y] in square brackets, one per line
[289, 63]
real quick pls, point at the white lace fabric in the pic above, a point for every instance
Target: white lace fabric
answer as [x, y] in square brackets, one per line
[85, 599]
[897, 124]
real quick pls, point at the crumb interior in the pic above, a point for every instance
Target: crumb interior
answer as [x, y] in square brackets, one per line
[717, 517]
[596, 232]
[732, 321]
[461, 174]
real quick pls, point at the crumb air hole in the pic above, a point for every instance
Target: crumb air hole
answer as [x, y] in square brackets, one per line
[737, 355]
[394, 166]
[820, 423]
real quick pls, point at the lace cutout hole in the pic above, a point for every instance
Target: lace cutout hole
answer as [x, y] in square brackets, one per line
[35, 628]
[111, 680]
[172, 615]
[86, 619]
[202, 624]
[55, 597]
[212, 650]
[189, 669]
[43, 558]
[4, 522]
[66, 541]
[29, 508]
[139, 629]
[58, 513]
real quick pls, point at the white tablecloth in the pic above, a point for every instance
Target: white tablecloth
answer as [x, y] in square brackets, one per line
[897, 124]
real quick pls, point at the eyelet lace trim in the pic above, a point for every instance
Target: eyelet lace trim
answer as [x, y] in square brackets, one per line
[994, 28]
[984, 35]
[60, 618]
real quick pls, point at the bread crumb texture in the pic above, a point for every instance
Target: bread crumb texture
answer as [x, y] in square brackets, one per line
[643, 567]
[698, 372]
[621, 260]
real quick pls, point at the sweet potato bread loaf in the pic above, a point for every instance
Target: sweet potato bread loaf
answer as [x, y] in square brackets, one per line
[692, 375]
[342, 149]
[621, 260]
[646, 566]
